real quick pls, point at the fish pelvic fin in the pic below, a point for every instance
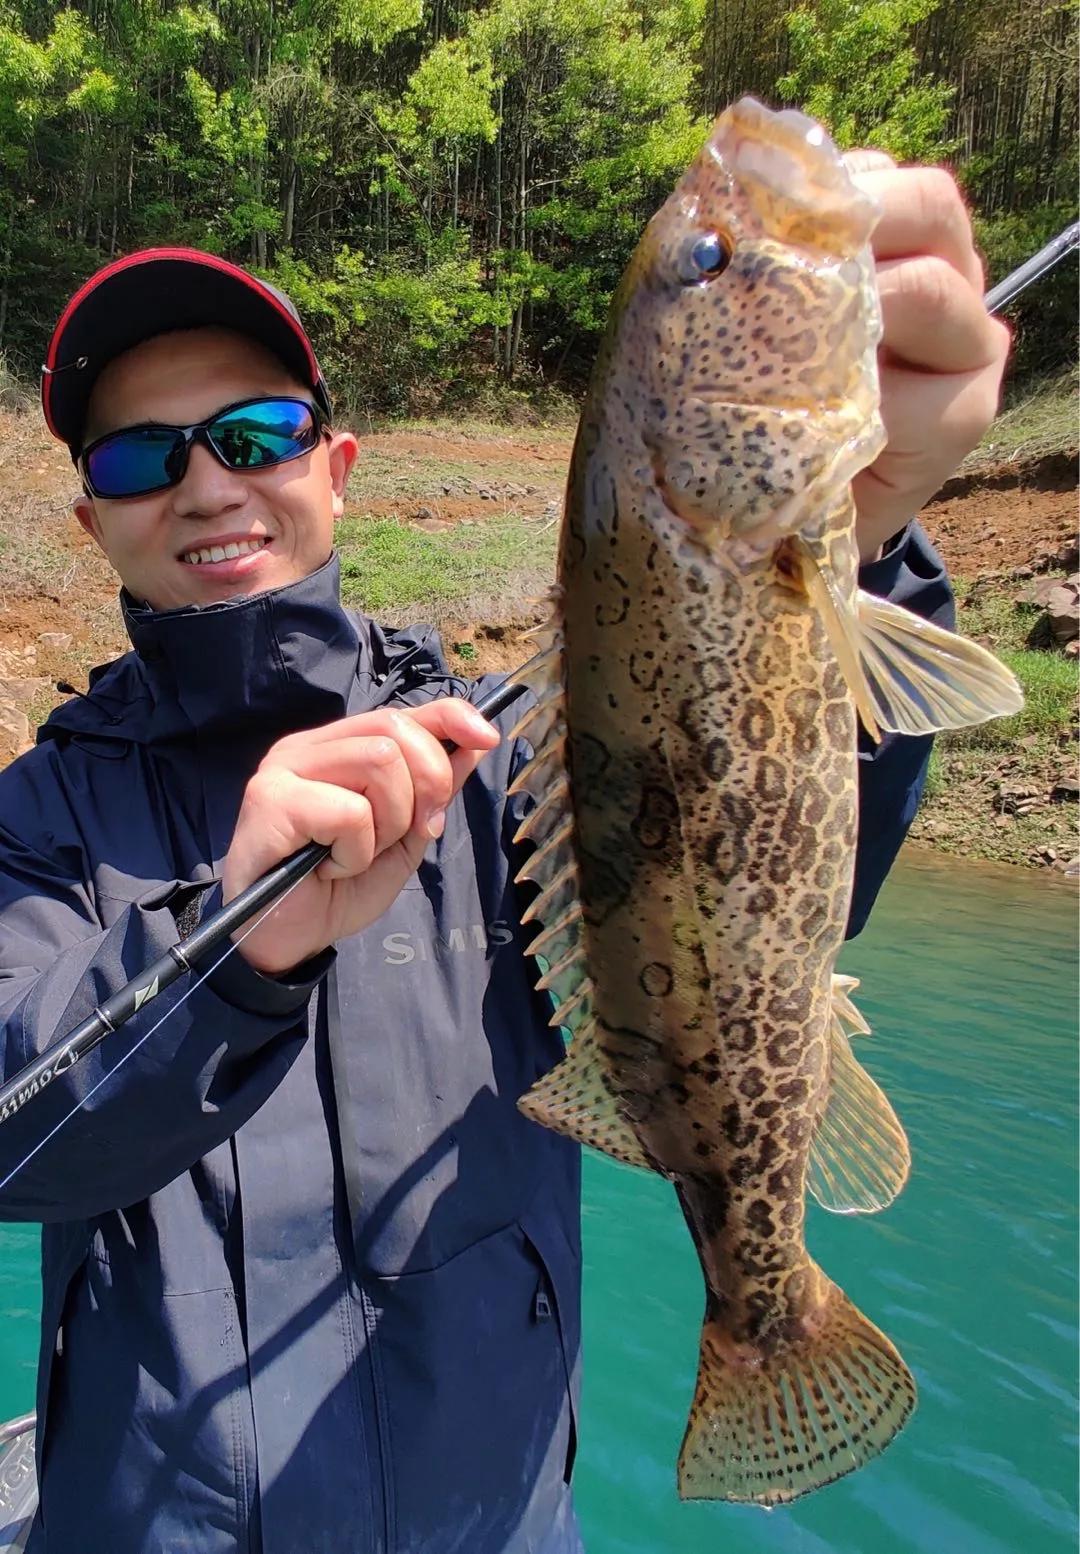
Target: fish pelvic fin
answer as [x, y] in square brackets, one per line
[575, 1098]
[767, 1428]
[859, 1154]
[907, 676]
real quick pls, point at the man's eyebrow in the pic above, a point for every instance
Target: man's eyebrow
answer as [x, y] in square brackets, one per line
[127, 426]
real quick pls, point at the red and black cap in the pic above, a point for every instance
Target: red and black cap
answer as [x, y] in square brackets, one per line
[149, 293]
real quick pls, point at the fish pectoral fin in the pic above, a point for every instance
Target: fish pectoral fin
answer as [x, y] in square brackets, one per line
[922, 678]
[767, 1427]
[907, 676]
[575, 1098]
[859, 1154]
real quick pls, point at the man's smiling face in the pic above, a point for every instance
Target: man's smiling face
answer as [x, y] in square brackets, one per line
[286, 512]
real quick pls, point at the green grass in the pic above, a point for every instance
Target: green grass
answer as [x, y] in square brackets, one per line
[994, 615]
[1045, 728]
[1038, 418]
[388, 568]
[1050, 685]
[1050, 682]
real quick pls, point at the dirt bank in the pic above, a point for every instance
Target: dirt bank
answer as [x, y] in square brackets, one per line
[58, 612]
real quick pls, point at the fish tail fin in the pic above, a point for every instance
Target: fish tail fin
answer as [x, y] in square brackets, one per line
[767, 1429]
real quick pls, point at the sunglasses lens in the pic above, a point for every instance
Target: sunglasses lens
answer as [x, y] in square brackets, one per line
[269, 432]
[134, 462]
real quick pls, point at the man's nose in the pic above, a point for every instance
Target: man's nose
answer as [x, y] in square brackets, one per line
[208, 487]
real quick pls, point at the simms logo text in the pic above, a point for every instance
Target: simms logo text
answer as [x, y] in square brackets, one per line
[401, 948]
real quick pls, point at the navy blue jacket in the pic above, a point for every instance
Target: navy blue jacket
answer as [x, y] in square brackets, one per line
[310, 1281]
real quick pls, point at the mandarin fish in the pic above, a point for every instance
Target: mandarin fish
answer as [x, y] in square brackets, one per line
[694, 781]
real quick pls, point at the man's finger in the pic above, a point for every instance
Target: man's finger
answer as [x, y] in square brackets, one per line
[933, 318]
[867, 159]
[453, 718]
[922, 212]
[283, 812]
[959, 406]
[448, 718]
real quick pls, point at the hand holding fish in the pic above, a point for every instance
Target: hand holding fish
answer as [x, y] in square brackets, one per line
[942, 355]
[374, 788]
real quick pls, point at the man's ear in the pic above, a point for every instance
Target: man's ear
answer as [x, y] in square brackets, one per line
[85, 511]
[342, 451]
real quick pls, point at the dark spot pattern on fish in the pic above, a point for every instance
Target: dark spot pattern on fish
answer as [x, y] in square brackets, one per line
[654, 826]
[718, 758]
[657, 980]
[757, 726]
[752, 1084]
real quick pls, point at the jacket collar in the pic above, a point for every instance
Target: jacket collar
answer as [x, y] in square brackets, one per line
[287, 659]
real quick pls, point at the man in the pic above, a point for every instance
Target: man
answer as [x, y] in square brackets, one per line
[310, 1280]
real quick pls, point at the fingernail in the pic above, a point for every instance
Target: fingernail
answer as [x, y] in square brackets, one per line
[435, 824]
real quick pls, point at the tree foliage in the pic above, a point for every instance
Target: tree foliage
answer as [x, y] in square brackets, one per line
[450, 191]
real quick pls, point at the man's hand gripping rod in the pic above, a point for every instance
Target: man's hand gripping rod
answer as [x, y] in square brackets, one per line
[64, 1053]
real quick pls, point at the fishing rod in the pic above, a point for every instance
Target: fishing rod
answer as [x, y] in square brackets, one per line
[63, 1054]
[1032, 269]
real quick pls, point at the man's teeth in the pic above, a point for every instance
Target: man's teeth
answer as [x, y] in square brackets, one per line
[227, 552]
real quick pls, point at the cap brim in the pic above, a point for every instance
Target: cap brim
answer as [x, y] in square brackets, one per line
[150, 293]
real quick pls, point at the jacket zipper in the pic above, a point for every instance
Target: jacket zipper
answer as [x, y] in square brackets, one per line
[385, 1529]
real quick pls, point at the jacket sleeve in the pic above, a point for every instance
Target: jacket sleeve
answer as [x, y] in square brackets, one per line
[224, 1038]
[892, 774]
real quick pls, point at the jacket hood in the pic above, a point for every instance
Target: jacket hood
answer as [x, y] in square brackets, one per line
[290, 658]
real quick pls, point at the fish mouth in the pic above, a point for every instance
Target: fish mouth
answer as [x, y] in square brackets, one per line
[785, 160]
[785, 150]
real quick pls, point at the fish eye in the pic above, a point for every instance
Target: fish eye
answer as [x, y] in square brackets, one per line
[708, 256]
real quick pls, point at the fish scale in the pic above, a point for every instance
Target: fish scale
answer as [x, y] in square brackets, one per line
[695, 777]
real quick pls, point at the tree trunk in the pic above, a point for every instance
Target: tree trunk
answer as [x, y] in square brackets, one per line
[496, 230]
[5, 263]
[288, 214]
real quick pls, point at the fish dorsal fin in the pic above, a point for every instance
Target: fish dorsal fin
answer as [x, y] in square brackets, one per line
[859, 1155]
[575, 1098]
[907, 676]
[549, 827]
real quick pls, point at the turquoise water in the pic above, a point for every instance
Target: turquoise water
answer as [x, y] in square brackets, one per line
[969, 979]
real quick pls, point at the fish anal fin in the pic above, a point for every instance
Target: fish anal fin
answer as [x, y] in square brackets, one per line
[767, 1428]
[575, 1098]
[859, 1154]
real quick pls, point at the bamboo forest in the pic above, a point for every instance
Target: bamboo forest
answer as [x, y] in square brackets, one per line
[449, 191]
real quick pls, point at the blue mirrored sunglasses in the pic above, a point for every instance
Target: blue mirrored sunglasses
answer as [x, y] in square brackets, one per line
[253, 434]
